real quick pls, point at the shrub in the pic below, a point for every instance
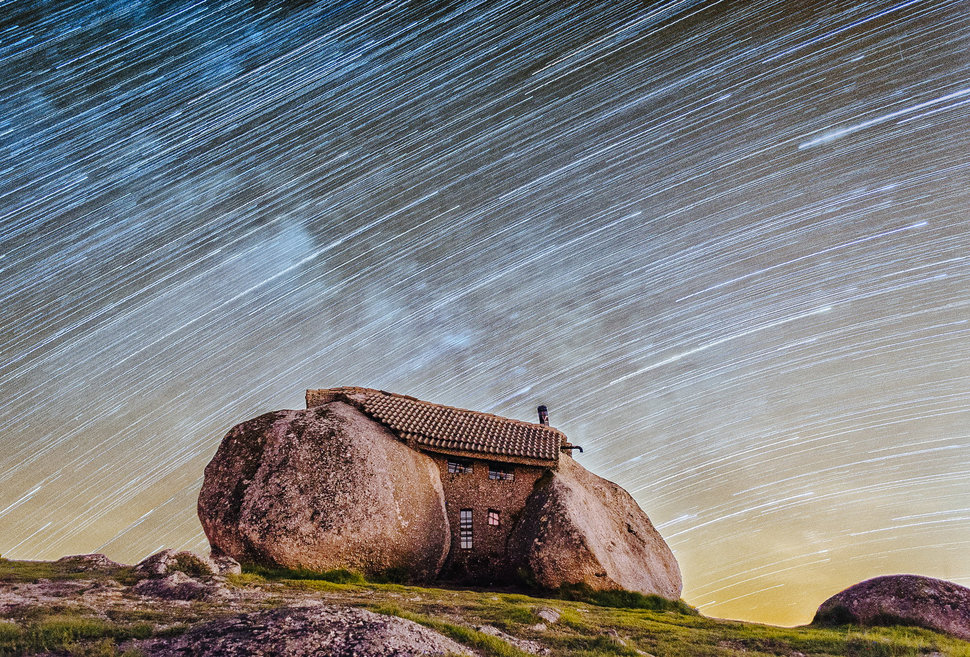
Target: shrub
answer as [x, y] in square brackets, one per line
[190, 564]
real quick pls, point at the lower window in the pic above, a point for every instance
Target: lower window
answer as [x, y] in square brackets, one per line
[494, 518]
[465, 529]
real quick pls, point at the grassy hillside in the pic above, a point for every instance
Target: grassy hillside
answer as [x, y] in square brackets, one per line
[95, 614]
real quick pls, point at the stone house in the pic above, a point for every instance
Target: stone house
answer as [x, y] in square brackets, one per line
[488, 465]
[386, 484]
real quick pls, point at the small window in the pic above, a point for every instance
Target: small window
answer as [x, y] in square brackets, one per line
[500, 473]
[456, 466]
[494, 518]
[465, 529]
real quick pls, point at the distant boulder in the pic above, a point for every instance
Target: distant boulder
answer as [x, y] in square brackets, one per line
[86, 562]
[901, 600]
[580, 528]
[322, 489]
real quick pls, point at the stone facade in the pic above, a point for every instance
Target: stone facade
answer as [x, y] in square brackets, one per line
[496, 505]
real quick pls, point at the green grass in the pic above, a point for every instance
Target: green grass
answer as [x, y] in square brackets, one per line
[76, 634]
[14, 572]
[31, 571]
[488, 644]
[8, 631]
[591, 624]
[339, 576]
[623, 599]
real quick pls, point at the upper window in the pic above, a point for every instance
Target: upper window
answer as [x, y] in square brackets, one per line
[458, 466]
[500, 473]
[494, 518]
[465, 529]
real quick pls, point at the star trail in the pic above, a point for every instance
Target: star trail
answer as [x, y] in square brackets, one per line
[724, 242]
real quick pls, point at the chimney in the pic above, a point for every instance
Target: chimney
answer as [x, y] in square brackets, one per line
[543, 415]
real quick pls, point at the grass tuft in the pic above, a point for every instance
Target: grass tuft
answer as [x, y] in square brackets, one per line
[190, 564]
[601, 644]
[488, 644]
[9, 632]
[338, 576]
[624, 599]
[102, 648]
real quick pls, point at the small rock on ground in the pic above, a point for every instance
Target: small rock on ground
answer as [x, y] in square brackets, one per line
[223, 564]
[548, 614]
[178, 586]
[533, 647]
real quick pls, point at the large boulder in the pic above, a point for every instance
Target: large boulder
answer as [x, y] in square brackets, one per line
[580, 528]
[307, 631]
[901, 600]
[324, 488]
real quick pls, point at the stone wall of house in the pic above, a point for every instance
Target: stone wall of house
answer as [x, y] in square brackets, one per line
[487, 561]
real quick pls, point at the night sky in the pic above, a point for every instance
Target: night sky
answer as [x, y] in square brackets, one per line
[726, 243]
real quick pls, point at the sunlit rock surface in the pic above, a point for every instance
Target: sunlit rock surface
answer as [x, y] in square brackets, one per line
[322, 489]
[580, 528]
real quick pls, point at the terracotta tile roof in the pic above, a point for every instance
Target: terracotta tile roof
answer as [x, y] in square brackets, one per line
[457, 429]
[436, 427]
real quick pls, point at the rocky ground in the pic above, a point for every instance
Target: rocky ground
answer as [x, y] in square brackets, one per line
[183, 604]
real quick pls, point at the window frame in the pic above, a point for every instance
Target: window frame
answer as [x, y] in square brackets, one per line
[497, 472]
[459, 466]
[496, 515]
[466, 525]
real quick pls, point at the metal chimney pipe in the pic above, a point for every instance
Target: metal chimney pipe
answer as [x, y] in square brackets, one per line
[543, 415]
